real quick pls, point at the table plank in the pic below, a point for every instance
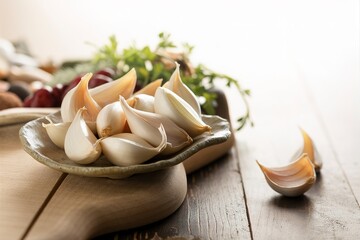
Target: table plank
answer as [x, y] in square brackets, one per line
[329, 210]
[85, 207]
[24, 185]
[341, 125]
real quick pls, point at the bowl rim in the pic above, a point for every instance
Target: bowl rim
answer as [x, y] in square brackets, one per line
[219, 134]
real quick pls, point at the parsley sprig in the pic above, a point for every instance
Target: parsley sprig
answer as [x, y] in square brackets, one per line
[159, 63]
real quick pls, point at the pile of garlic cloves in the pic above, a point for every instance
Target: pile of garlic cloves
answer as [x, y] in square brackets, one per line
[299, 176]
[128, 128]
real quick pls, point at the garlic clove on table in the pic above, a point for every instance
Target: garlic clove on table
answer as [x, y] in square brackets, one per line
[291, 180]
[310, 149]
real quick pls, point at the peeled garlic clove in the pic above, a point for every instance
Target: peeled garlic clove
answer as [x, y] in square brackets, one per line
[179, 111]
[146, 124]
[291, 180]
[109, 92]
[150, 88]
[142, 102]
[77, 98]
[110, 120]
[56, 132]
[81, 145]
[176, 85]
[127, 149]
[310, 149]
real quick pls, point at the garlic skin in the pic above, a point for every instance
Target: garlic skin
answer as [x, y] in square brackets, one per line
[150, 88]
[169, 104]
[176, 85]
[127, 149]
[109, 92]
[77, 98]
[81, 145]
[56, 131]
[110, 120]
[310, 149]
[146, 124]
[142, 102]
[291, 180]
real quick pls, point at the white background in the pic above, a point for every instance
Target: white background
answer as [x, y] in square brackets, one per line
[236, 37]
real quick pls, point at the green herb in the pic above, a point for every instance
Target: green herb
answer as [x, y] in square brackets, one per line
[160, 63]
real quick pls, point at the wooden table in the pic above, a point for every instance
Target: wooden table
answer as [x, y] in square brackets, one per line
[229, 199]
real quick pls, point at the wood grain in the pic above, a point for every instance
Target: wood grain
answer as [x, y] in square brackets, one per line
[329, 210]
[341, 126]
[85, 207]
[24, 185]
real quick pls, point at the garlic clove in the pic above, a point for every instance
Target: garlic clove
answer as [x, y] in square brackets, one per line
[310, 149]
[125, 149]
[291, 180]
[142, 102]
[109, 92]
[110, 120]
[146, 124]
[77, 98]
[81, 145]
[56, 131]
[150, 88]
[176, 85]
[169, 104]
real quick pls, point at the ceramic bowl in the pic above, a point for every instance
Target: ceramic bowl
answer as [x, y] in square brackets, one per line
[37, 143]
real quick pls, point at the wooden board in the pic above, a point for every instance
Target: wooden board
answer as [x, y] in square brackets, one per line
[24, 185]
[85, 207]
[38, 202]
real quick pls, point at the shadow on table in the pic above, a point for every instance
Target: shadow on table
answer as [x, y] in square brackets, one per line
[291, 202]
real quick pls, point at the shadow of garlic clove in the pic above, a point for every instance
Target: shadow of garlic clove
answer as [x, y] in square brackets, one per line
[291, 180]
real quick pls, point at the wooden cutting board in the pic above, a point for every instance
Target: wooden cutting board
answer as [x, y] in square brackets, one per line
[37, 202]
